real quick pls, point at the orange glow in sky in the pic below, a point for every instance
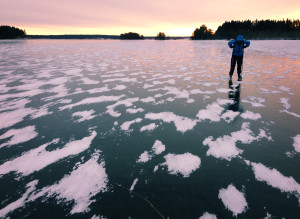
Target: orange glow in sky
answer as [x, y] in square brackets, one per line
[113, 17]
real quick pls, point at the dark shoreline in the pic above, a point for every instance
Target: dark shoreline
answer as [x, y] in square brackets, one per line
[78, 37]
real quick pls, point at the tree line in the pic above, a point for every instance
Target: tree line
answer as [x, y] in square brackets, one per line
[257, 29]
[10, 32]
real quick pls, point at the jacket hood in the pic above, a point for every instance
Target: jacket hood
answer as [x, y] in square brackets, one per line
[240, 38]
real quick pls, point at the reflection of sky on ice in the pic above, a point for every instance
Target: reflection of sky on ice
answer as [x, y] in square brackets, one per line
[156, 110]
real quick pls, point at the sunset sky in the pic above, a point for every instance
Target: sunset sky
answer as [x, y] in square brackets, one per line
[113, 17]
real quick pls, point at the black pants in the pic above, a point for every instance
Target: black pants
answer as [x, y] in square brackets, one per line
[239, 61]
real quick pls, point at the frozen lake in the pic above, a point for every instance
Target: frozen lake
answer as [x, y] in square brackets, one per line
[83, 122]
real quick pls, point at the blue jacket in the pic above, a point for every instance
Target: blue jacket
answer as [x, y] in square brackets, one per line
[238, 45]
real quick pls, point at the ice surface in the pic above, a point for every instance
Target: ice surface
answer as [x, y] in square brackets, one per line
[38, 158]
[233, 199]
[250, 115]
[82, 184]
[297, 143]
[85, 115]
[20, 202]
[149, 127]
[133, 184]
[19, 135]
[184, 164]
[182, 124]
[53, 85]
[275, 179]
[207, 215]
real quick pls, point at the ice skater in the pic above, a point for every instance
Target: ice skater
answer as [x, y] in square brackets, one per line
[238, 46]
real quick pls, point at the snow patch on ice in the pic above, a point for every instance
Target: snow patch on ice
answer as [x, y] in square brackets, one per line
[144, 157]
[184, 164]
[284, 88]
[297, 143]
[98, 90]
[20, 202]
[254, 101]
[126, 125]
[126, 79]
[213, 111]
[43, 111]
[275, 179]
[13, 104]
[149, 127]
[11, 118]
[158, 147]
[233, 199]
[85, 115]
[147, 100]
[182, 124]
[133, 111]
[120, 87]
[229, 115]
[83, 183]
[225, 147]
[127, 102]
[89, 81]
[285, 103]
[92, 100]
[291, 113]
[250, 115]
[207, 215]
[38, 158]
[224, 90]
[19, 135]
[133, 184]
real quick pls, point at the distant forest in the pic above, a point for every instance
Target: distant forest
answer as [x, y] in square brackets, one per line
[258, 29]
[9, 32]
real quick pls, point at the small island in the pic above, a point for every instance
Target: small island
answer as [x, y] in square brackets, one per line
[131, 36]
[10, 32]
